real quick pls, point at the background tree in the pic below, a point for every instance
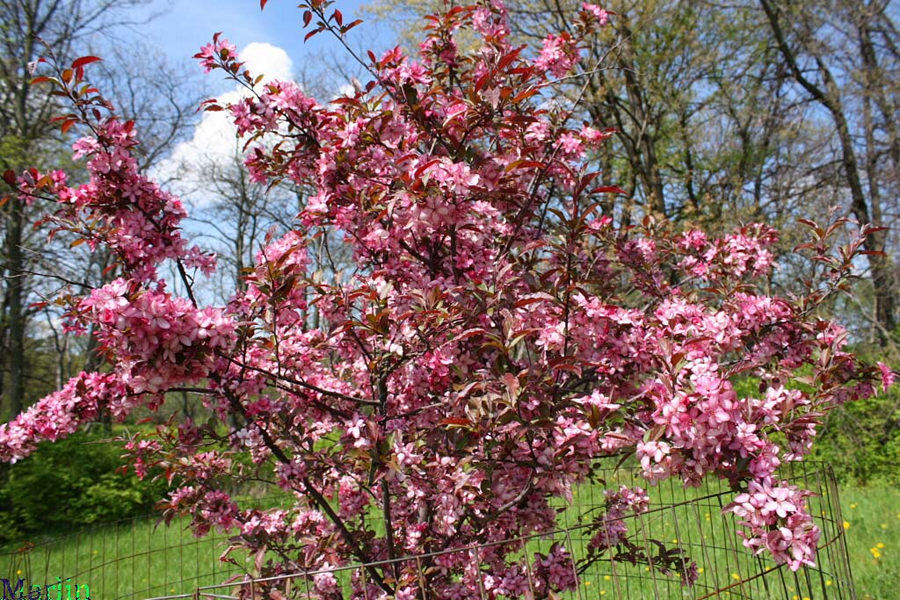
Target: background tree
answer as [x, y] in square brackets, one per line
[843, 57]
[28, 137]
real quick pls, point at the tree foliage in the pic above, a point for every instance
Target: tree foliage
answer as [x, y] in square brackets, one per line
[94, 490]
[498, 337]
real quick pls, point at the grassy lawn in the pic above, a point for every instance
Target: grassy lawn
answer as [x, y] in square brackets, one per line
[132, 559]
[872, 517]
[168, 560]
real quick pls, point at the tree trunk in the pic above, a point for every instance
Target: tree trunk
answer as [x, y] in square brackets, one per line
[15, 392]
[828, 96]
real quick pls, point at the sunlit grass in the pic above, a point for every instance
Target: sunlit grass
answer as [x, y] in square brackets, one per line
[137, 558]
[143, 559]
[872, 514]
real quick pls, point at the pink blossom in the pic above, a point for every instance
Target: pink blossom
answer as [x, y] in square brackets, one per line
[219, 50]
[777, 521]
[601, 16]
[887, 376]
[558, 55]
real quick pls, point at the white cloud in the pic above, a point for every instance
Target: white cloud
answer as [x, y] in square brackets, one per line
[270, 60]
[214, 140]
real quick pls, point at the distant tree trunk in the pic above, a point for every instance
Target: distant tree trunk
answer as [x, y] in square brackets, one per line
[827, 94]
[644, 160]
[874, 86]
[21, 126]
[15, 315]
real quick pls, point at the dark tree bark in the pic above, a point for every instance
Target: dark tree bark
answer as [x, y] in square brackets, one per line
[825, 91]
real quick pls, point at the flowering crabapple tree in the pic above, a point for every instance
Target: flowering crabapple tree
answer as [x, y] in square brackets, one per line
[497, 338]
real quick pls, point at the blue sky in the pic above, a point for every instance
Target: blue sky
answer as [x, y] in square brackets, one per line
[270, 42]
[183, 26]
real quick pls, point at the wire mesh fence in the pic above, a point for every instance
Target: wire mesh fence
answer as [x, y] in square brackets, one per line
[138, 559]
[126, 559]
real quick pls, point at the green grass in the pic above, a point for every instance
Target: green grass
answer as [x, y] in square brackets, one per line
[699, 530]
[136, 558]
[141, 560]
[872, 514]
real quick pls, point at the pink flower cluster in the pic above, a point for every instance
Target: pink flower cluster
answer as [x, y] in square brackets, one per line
[610, 527]
[156, 341]
[777, 521]
[557, 568]
[60, 414]
[601, 16]
[558, 55]
[218, 50]
[888, 376]
[745, 252]
[122, 209]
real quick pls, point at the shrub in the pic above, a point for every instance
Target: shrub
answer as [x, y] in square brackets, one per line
[861, 440]
[76, 481]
